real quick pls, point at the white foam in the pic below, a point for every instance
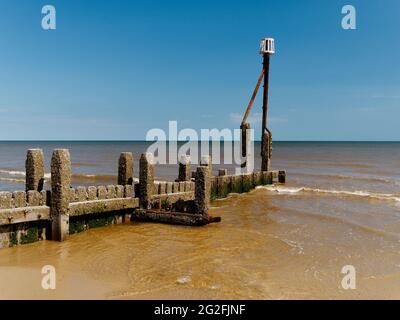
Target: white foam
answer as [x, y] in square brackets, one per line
[13, 173]
[12, 180]
[359, 193]
[184, 279]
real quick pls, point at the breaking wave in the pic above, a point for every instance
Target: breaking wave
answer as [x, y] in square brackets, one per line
[12, 180]
[356, 193]
[369, 178]
[13, 173]
[19, 176]
[92, 177]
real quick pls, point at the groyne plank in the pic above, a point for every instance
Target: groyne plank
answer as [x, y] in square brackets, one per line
[24, 214]
[101, 206]
[187, 219]
[174, 197]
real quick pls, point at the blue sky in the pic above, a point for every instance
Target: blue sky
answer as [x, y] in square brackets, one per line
[115, 69]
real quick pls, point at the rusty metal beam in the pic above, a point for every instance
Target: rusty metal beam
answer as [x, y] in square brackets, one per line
[253, 97]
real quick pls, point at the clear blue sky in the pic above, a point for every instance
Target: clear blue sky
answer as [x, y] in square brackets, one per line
[114, 69]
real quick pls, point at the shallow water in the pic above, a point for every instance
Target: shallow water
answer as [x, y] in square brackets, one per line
[340, 206]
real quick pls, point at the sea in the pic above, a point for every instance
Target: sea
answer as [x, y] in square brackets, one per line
[332, 231]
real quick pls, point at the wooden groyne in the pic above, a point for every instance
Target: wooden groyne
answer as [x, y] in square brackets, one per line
[39, 214]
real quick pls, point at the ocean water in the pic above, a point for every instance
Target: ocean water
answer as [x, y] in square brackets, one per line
[96, 162]
[340, 206]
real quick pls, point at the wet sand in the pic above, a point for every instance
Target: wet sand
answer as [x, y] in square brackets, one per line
[261, 250]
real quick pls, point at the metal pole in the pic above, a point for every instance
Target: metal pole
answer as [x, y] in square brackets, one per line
[265, 135]
[265, 96]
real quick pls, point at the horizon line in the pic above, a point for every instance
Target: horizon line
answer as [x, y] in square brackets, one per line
[150, 141]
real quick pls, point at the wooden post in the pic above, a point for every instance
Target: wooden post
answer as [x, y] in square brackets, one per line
[184, 168]
[146, 180]
[34, 166]
[222, 172]
[202, 190]
[125, 169]
[265, 152]
[282, 176]
[60, 193]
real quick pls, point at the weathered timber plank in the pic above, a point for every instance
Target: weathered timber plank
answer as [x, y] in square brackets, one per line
[101, 206]
[187, 219]
[24, 214]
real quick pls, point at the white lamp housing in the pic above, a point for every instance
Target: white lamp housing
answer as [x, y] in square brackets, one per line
[267, 46]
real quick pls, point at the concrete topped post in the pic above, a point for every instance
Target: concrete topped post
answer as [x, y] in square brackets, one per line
[60, 193]
[202, 190]
[125, 168]
[34, 165]
[206, 161]
[146, 180]
[184, 168]
[247, 148]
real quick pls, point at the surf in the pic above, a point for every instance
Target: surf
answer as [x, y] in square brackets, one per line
[354, 193]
